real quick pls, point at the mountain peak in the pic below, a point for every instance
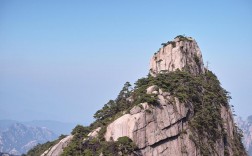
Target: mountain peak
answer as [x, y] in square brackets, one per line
[182, 53]
[175, 113]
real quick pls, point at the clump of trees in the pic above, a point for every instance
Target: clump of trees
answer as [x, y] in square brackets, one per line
[173, 43]
[94, 146]
[76, 146]
[114, 108]
[125, 145]
[183, 38]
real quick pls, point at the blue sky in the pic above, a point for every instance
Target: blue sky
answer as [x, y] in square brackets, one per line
[63, 60]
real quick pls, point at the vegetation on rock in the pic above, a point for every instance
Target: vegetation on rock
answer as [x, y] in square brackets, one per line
[206, 96]
[41, 148]
[94, 146]
[183, 38]
[201, 93]
[75, 147]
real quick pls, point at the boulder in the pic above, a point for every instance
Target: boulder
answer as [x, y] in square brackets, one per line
[152, 89]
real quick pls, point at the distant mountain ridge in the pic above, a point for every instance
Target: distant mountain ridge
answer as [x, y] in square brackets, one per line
[55, 126]
[20, 138]
[6, 154]
[5, 124]
[246, 127]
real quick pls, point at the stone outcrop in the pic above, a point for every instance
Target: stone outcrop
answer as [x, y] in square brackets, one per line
[177, 121]
[163, 130]
[155, 130]
[181, 53]
[94, 133]
[57, 149]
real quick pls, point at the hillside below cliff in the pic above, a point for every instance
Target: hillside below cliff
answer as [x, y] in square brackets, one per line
[179, 109]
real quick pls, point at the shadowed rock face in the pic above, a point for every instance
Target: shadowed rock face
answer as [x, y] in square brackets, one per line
[178, 54]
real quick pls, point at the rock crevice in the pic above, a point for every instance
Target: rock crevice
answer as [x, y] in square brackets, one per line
[154, 131]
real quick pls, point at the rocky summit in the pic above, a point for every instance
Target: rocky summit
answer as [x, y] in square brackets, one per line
[179, 109]
[183, 52]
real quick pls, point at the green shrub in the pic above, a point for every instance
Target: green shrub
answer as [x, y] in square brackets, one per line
[183, 38]
[75, 147]
[126, 145]
[80, 130]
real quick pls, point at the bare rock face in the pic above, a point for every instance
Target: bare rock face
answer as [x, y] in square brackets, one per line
[182, 53]
[163, 130]
[155, 130]
[57, 149]
[94, 133]
[123, 126]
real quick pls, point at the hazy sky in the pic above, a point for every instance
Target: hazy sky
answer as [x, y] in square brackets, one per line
[63, 60]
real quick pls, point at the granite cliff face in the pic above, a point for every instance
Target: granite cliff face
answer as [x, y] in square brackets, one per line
[166, 129]
[181, 53]
[156, 131]
[179, 109]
